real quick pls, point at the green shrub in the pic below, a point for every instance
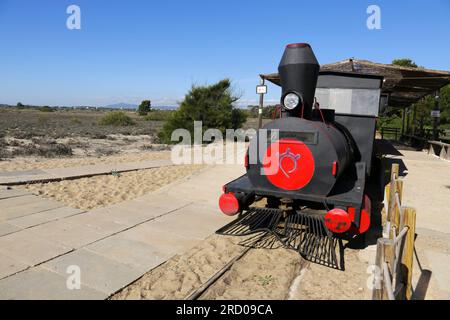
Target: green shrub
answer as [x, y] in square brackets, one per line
[46, 109]
[116, 118]
[159, 115]
[213, 105]
[144, 107]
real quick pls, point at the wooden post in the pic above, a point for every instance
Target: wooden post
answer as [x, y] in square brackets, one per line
[378, 289]
[397, 207]
[407, 120]
[385, 253]
[391, 203]
[409, 220]
[403, 121]
[436, 119]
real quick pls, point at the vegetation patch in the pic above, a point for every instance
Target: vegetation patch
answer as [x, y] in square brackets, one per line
[46, 109]
[47, 151]
[116, 118]
[212, 105]
[144, 108]
[159, 115]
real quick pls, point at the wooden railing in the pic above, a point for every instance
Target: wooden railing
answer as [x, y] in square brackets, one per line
[440, 149]
[385, 131]
[395, 251]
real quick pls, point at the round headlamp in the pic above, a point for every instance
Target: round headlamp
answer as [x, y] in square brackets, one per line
[291, 101]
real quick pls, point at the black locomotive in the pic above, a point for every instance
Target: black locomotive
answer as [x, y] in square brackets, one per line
[310, 161]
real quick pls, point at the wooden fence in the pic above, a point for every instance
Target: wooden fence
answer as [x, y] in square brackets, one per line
[395, 251]
[439, 149]
[389, 131]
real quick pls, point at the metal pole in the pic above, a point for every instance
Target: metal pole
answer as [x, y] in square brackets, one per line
[261, 106]
[436, 119]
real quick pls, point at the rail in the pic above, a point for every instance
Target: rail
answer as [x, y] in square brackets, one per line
[197, 293]
[395, 250]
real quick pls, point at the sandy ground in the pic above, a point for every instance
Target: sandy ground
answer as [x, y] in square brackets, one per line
[252, 277]
[427, 188]
[28, 163]
[260, 274]
[99, 191]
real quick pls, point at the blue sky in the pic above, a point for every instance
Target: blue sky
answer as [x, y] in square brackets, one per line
[131, 50]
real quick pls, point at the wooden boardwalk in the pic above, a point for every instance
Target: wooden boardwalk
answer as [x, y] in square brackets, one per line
[41, 240]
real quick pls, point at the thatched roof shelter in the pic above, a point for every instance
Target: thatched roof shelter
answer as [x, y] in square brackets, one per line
[404, 85]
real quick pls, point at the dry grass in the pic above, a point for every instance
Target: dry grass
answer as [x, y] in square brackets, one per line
[28, 123]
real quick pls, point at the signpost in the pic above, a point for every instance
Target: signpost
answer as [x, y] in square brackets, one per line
[261, 90]
[436, 114]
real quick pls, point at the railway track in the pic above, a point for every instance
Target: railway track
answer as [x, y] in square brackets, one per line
[197, 293]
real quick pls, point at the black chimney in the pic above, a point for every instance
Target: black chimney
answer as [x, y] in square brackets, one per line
[298, 72]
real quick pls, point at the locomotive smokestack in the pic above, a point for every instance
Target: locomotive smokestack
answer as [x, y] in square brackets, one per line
[298, 71]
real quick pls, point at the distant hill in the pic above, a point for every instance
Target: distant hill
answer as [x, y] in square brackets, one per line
[121, 106]
[165, 107]
[134, 106]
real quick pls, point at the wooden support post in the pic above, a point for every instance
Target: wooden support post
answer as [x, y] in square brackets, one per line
[408, 111]
[397, 206]
[385, 253]
[436, 119]
[384, 211]
[391, 196]
[403, 121]
[409, 220]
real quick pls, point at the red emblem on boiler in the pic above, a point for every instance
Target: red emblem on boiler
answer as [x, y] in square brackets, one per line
[293, 161]
[288, 155]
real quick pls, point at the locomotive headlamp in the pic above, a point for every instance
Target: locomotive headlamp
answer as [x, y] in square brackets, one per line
[291, 101]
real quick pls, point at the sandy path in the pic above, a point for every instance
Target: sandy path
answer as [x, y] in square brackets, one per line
[260, 274]
[99, 191]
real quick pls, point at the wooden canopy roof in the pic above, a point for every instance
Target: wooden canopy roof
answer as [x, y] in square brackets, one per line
[404, 85]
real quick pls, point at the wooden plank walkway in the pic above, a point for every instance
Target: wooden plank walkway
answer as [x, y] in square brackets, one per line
[57, 174]
[112, 246]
